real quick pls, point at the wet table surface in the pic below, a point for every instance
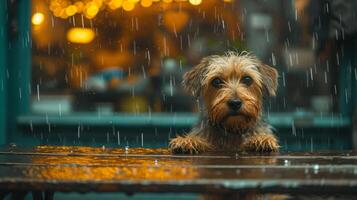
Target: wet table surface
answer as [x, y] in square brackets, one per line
[86, 169]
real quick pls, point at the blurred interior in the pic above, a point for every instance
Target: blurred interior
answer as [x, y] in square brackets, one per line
[129, 56]
[109, 72]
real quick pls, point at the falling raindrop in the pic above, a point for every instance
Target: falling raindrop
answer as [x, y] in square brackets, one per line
[73, 19]
[60, 110]
[134, 47]
[136, 24]
[289, 26]
[38, 92]
[142, 139]
[296, 14]
[175, 31]
[148, 56]
[82, 20]
[286, 162]
[79, 131]
[316, 168]
[284, 84]
[143, 70]
[126, 149]
[171, 87]
[293, 128]
[31, 126]
[267, 35]
[52, 22]
[273, 59]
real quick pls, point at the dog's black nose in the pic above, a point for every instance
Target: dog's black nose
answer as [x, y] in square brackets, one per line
[235, 104]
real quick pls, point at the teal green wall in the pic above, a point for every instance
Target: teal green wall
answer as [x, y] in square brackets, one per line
[3, 47]
[15, 66]
[19, 68]
[20, 64]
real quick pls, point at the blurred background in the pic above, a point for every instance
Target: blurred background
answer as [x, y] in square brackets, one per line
[109, 72]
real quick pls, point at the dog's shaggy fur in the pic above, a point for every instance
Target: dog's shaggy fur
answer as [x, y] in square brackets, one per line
[226, 126]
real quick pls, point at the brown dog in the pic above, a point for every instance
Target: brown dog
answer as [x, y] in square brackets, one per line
[232, 88]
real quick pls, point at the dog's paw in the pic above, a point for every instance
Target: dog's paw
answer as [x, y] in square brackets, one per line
[261, 143]
[189, 144]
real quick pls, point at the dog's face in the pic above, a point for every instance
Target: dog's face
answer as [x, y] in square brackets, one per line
[232, 87]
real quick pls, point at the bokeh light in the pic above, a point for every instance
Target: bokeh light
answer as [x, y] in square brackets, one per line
[115, 4]
[92, 10]
[195, 2]
[146, 3]
[38, 18]
[128, 6]
[71, 10]
[80, 35]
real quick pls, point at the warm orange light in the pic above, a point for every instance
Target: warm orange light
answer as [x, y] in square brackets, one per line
[79, 5]
[104, 168]
[80, 35]
[99, 3]
[128, 6]
[71, 10]
[92, 10]
[115, 4]
[38, 18]
[167, 1]
[175, 21]
[146, 3]
[195, 2]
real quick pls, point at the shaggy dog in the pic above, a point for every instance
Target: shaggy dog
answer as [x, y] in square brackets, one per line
[232, 87]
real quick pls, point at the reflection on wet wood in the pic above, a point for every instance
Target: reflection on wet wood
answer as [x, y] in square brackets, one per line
[85, 169]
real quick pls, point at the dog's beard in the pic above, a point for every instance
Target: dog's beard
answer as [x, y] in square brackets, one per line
[233, 122]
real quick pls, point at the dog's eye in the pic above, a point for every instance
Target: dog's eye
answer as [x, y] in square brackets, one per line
[217, 83]
[247, 80]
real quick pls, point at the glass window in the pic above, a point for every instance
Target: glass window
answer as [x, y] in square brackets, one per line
[130, 55]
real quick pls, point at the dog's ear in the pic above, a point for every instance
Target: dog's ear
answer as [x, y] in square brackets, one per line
[270, 79]
[193, 79]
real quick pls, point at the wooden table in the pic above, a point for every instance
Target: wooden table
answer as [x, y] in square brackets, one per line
[43, 170]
